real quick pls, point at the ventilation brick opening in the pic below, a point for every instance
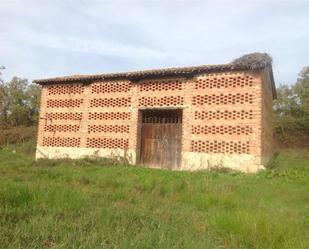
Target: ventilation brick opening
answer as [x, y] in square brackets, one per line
[108, 128]
[109, 143]
[110, 102]
[223, 114]
[220, 147]
[111, 87]
[164, 101]
[215, 130]
[65, 89]
[223, 99]
[160, 85]
[64, 116]
[64, 103]
[61, 142]
[224, 82]
[109, 115]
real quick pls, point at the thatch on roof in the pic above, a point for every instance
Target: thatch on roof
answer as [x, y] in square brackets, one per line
[254, 61]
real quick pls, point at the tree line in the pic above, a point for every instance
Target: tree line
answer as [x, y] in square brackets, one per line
[19, 107]
[19, 103]
[291, 112]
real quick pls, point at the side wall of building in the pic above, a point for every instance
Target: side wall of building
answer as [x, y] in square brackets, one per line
[222, 118]
[267, 118]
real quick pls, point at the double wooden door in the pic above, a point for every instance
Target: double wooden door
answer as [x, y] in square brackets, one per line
[161, 138]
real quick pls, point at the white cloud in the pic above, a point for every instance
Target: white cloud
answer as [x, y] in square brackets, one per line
[102, 47]
[148, 34]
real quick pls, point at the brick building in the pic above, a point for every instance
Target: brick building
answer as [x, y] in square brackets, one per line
[181, 118]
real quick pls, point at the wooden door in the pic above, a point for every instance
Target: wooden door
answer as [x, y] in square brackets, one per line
[161, 138]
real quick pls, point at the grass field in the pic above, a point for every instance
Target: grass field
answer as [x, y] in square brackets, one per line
[100, 204]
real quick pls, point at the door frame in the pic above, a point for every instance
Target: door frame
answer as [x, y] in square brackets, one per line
[141, 111]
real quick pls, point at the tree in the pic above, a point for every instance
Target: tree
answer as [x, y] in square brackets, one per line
[3, 98]
[1, 68]
[292, 110]
[285, 106]
[301, 90]
[33, 95]
[18, 103]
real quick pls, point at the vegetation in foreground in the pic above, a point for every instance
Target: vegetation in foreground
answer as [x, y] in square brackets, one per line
[103, 204]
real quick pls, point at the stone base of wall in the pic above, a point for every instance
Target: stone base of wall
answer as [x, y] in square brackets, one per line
[75, 153]
[199, 161]
[190, 160]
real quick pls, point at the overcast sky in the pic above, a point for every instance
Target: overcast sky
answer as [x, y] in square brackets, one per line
[41, 38]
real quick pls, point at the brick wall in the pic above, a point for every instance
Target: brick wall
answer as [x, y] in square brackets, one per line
[267, 148]
[222, 118]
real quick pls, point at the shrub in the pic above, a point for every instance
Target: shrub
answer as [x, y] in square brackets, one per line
[17, 135]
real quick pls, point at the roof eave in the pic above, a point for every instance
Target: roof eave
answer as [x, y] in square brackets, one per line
[140, 76]
[248, 62]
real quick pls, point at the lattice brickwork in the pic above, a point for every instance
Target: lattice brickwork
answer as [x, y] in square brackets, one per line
[220, 114]
[63, 103]
[160, 85]
[228, 147]
[224, 82]
[164, 101]
[223, 99]
[227, 115]
[111, 102]
[109, 115]
[110, 143]
[244, 97]
[61, 141]
[215, 130]
[61, 128]
[111, 87]
[65, 89]
[108, 128]
[64, 116]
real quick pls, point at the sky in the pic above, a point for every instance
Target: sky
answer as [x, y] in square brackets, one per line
[41, 39]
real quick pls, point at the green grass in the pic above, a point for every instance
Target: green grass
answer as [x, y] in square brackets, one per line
[89, 204]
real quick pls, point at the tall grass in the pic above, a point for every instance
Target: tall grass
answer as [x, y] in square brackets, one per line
[103, 204]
